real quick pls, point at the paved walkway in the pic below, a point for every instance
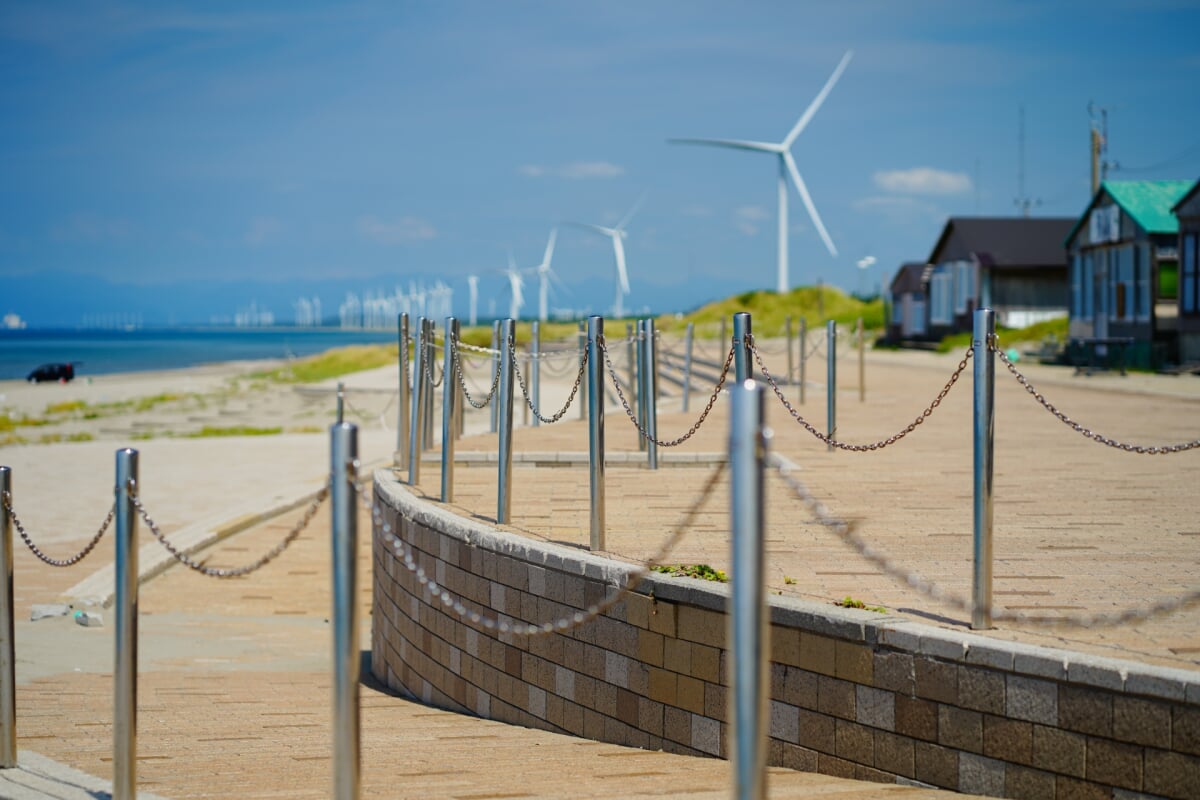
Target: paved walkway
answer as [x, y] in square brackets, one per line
[234, 695]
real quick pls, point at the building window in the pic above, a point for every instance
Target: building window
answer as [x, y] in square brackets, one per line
[964, 286]
[1122, 283]
[1188, 301]
[941, 297]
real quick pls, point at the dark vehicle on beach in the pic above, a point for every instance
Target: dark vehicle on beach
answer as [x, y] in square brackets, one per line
[52, 372]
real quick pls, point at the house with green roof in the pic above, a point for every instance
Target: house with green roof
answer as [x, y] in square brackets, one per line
[1123, 256]
[1187, 211]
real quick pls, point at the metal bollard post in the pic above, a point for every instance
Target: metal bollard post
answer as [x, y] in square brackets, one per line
[8, 659]
[450, 410]
[595, 405]
[787, 341]
[687, 363]
[803, 355]
[402, 389]
[749, 634]
[640, 391]
[535, 378]
[862, 369]
[984, 430]
[742, 365]
[632, 355]
[495, 366]
[430, 360]
[125, 637]
[582, 339]
[341, 401]
[831, 379]
[418, 406]
[343, 467]
[505, 420]
[650, 392]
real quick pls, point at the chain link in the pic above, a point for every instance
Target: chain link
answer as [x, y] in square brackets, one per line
[429, 370]
[860, 448]
[846, 532]
[458, 372]
[1075, 426]
[233, 572]
[33, 548]
[405, 554]
[633, 416]
[570, 399]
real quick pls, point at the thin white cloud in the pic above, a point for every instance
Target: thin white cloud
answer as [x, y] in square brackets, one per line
[263, 230]
[749, 219]
[400, 231]
[923, 180]
[575, 170]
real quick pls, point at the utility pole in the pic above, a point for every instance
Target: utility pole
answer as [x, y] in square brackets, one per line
[1022, 202]
[1099, 146]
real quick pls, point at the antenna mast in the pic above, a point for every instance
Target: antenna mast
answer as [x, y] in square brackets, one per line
[1022, 202]
[1099, 146]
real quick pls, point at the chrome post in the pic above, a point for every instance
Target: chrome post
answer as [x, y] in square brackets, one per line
[535, 382]
[492, 427]
[641, 405]
[749, 634]
[430, 360]
[862, 368]
[632, 354]
[831, 379]
[803, 355]
[418, 406]
[650, 392]
[505, 421]
[450, 409]
[787, 341]
[687, 363]
[341, 401]
[402, 390]
[595, 406]
[344, 500]
[743, 369]
[8, 660]
[984, 430]
[125, 637]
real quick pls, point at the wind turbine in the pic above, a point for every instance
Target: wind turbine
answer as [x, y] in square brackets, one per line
[545, 275]
[617, 234]
[473, 292]
[516, 285]
[787, 166]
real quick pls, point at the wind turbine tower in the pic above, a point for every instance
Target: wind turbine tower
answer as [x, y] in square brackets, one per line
[473, 292]
[787, 167]
[516, 285]
[545, 275]
[617, 234]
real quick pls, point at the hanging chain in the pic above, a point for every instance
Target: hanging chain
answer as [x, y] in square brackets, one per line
[33, 548]
[860, 448]
[570, 399]
[846, 532]
[233, 572]
[633, 416]
[429, 370]
[458, 371]
[1075, 426]
[405, 554]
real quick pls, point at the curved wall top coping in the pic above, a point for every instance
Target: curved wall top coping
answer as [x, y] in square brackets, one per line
[827, 619]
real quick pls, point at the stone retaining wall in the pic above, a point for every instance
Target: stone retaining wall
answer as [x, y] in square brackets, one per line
[854, 693]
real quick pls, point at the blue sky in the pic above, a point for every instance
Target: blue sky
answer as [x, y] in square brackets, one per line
[155, 142]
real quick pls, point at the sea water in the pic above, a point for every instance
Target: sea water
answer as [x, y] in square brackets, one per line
[101, 352]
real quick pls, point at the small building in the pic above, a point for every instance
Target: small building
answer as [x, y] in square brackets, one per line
[1016, 266]
[910, 318]
[1123, 254]
[1187, 214]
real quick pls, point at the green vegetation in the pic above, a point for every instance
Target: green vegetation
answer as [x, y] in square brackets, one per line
[789, 581]
[1009, 337]
[236, 430]
[701, 571]
[769, 311]
[850, 602]
[330, 364]
[10, 423]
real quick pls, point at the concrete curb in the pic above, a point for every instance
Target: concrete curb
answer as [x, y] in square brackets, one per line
[39, 778]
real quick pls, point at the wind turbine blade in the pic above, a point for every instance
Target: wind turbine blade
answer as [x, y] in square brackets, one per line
[737, 144]
[550, 248]
[818, 100]
[590, 227]
[622, 275]
[808, 203]
[629, 214]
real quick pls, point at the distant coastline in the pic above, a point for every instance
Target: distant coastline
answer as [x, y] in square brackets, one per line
[104, 352]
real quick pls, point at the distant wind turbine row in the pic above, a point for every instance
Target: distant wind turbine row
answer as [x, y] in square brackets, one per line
[617, 233]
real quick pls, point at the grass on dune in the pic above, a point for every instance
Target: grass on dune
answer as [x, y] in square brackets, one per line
[769, 311]
[332, 364]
